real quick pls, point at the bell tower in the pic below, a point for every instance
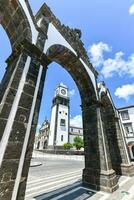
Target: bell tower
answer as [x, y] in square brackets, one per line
[59, 124]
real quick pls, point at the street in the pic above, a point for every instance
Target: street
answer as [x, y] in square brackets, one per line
[52, 174]
[57, 178]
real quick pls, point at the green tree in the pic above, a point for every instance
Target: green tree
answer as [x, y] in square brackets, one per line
[67, 146]
[78, 143]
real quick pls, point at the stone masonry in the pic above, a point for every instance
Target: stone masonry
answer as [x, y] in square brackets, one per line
[36, 42]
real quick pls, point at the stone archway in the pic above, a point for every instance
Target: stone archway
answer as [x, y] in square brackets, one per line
[96, 156]
[15, 22]
[16, 25]
[114, 134]
[42, 40]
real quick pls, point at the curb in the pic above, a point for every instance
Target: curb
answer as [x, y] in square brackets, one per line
[36, 164]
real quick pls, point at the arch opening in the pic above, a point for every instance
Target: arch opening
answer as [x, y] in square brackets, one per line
[73, 65]
[81, 77]
[90, 113]
[55, 75]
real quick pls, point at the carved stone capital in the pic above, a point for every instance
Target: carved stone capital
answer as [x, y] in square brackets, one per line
[32, 51]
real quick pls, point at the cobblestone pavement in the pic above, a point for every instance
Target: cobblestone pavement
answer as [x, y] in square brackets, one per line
[58, 179]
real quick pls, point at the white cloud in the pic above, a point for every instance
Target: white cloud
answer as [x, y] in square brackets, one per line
[131, 9]
[111, 66]
[125, 91]
[71, 92]
[96, 51]
[76, 121]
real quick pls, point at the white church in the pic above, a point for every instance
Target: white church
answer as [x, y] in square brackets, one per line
[60, 131]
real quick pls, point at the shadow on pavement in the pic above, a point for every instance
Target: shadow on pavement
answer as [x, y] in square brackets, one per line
[75, 191]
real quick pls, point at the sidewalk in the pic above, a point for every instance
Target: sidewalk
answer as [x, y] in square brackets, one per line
[37, 154]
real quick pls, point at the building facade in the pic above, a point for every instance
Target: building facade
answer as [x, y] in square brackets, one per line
[127, 119]
[59, 123]
[73, 132]
[59, 131]
[41, 138]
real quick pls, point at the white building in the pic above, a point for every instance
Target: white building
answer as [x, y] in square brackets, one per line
[127, 119]
[59, 123]
[59, 131]
[41, 138]
[73, 132]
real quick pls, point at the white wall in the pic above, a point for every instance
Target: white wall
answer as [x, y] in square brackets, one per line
[52, 126]
[76, 130]
[60, 130]
[131, 117]
[130, 139]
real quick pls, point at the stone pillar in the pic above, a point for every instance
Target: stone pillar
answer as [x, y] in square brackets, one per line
[125, 168]
[19, 109]
[98, 173]
[115, 136]
[29, 150]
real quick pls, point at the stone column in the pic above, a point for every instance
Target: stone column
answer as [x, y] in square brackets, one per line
[19, 109]
[125, 167]
[115, 136]
[98, 173]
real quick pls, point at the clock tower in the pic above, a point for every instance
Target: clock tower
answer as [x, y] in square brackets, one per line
[59, 123]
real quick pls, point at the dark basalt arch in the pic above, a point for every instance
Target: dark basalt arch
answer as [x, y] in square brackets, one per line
[21, 92]
[14, 21]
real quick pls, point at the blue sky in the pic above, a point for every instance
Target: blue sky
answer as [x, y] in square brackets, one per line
[107, 32]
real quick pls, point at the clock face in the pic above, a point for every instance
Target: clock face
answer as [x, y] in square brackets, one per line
[63, 91]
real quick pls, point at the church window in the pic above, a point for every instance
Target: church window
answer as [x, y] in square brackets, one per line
[71, 129]
[62, 122]
[125, 115]
[128, 128]
[62, 138]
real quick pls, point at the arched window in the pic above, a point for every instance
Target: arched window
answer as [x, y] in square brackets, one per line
[61, 138]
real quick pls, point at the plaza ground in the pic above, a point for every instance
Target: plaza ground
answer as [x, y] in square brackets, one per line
[53, 177]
